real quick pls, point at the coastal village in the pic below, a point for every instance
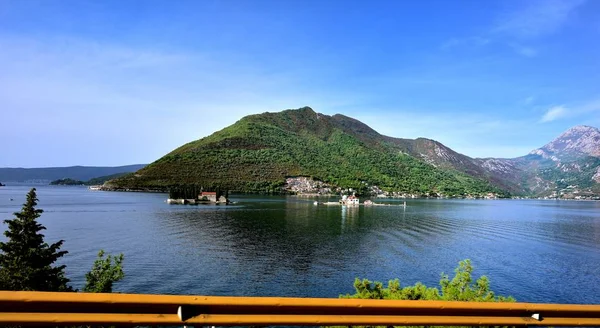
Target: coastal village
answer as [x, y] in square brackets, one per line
[305, 186]
[309, 187]
[574, 193]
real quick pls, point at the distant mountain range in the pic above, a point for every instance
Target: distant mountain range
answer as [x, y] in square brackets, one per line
[47, 174]
[567, 167]
[258, 153]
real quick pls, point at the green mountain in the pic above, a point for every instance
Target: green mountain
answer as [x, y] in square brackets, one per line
[258, 153]
[103, 179]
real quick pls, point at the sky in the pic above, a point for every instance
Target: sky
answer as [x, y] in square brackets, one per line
[109, 83]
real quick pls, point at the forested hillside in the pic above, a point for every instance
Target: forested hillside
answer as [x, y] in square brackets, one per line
[258, 152]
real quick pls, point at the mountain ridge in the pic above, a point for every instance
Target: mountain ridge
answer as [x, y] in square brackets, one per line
[264, 149]
[578, 140]
[258, 153]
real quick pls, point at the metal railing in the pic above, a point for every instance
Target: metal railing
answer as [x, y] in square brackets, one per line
[43, 308]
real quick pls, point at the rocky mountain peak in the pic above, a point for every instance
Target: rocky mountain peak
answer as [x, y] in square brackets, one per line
[578, 140]
[579, 131]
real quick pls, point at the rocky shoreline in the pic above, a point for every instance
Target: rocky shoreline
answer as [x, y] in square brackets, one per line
[308, 187]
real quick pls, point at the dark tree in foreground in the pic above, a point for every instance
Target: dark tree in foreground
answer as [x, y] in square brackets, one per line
[26, 261]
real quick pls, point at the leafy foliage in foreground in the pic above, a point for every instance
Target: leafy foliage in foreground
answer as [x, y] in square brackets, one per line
[258, 152]
[460, 288]
[104, 274]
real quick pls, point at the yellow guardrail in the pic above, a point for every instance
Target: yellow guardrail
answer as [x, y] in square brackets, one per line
[36, 308]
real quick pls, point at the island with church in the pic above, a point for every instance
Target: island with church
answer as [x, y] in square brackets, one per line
[192, 195]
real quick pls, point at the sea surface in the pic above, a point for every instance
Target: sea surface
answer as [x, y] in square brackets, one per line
[534, 250]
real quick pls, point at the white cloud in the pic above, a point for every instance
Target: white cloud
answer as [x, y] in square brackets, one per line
[476, 41]
[529, 100]
[554, 113]
[538, 18]
[524, 50]
[581, 110]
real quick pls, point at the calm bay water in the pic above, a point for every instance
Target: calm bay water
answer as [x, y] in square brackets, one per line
[536, 251]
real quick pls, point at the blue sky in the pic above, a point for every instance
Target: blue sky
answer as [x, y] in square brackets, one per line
[121, 82]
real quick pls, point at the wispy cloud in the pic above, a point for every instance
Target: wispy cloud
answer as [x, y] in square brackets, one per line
[554, 113]
[519, 27]
[537, 18]
[560, 112]
[528, 101]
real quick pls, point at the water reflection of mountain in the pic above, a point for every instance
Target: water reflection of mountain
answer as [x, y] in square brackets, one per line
[290, 247]
[284, 241]
[276, 244]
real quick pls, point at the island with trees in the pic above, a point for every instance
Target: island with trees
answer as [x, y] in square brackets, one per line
[90, 182]
[67, 182]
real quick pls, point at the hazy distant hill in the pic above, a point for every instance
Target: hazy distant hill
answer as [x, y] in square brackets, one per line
[258, 152]
[48, 174]
[92, 182]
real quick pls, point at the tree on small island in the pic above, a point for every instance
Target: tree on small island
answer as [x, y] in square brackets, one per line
[27, 261]
[67, 182]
